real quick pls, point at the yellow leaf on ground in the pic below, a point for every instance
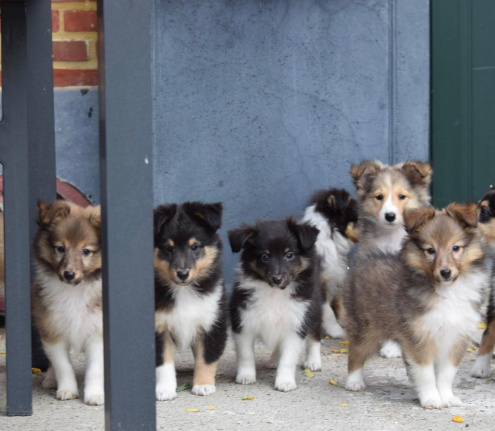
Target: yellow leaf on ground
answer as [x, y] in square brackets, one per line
[458, 419]
[328, 337]
[3, 352]
[344, 343]
[308, 373]
[344, 404]
[471, 349]
[210, 408]
[333, 382]
[36, 371]
[482, 325]
[247, 398]
[335, 350]
[192, 410]
[344, 350]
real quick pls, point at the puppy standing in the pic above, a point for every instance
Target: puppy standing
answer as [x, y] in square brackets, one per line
[276, 296]
[334, 213]
[427, 299]
[384, 193]
[190, 309]
[67, 296]
[487, 226]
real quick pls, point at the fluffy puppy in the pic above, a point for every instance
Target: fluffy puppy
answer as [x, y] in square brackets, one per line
[334, 213]
[276, 296]
[384, 192]
[190, 302]
[486, 208]
[427, 300]
[67, 296]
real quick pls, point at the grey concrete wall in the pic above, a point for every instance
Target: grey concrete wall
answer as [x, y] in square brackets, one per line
[258, 103]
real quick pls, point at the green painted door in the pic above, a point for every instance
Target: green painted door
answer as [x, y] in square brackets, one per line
[463, 99]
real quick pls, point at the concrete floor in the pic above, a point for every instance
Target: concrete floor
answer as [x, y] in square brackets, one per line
[388, 403]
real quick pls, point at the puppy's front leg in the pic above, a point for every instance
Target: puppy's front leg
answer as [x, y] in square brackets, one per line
[93, 388]
[246, 364]
[204, 372]
[290, 350]
[423, 377]
[166, 382]
[58, 354]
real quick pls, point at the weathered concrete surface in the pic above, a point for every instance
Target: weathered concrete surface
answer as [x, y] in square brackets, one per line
[387, 404]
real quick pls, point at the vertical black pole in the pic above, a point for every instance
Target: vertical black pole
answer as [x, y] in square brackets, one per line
[125, 84]
[14, 153]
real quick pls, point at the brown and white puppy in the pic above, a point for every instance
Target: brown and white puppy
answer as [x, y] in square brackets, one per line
[486, 208]
[427, 299]
[384, 192]
[67, 296]
[190, 301]
[334, 213]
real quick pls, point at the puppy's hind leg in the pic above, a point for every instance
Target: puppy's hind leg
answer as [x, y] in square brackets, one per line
[390, 349]
[49, 380]
[313, 354]
[481, 367]
[330, 325]
[355, 364]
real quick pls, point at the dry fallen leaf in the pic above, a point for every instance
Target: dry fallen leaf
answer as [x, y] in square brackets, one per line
[482, 325]
[333, 382]
[247, 398]
[36, 371]
[344, 343]
[339, 350]
[192, 410]
[328, 337]
[458, 419]
[308, 373]
[471, 349]
[344, 350]
[344, 404]
[210, 408]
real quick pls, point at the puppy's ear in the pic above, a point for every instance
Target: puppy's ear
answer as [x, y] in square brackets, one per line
[238, 237]
[51, 213]
[95, 216]
[417, 218]
[364, 174]
[209, 215]
[418, 173]
[161, 216]
[466, 214]
[331, 200]
[305, 233]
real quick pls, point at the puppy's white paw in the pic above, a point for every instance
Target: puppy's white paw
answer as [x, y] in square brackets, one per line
[335, 331]
[94, 398]
[65, 394]
[245, 378]
[285, 384]
[354, 385]
[165, 395]
[312, 364]
[481, 367]
[431, 401]
[451, 401]
[203, 390]
[390, 349]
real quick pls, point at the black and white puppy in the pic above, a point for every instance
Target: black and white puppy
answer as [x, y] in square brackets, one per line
[277, 296]
[334, 213]
[190, 301]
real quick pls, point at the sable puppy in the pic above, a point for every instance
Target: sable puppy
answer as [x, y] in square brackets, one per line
[486, 208]
[67, 296]
[334, 213]
[191, 309]
[384, 193]
[427, 300]
[276, 296]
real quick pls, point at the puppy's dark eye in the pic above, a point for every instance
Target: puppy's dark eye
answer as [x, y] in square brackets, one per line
[61, 249]
[265, 257]
[402, 197]
[430, 250]
[86, 252]
[289, 255]
[456, 248]
[379, 197]
[194, 247]
[169, 249]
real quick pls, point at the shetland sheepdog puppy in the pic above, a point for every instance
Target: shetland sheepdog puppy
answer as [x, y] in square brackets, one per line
[190, 302]
[384, 192]
[277, 296]
[334, 213]
[486, 208]
[427, 299]
[67, 296]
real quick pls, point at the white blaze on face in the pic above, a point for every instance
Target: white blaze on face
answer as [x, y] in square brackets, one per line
[389, 206]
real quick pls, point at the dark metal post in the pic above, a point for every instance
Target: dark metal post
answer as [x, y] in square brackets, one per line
[125, 97]
[14, 156]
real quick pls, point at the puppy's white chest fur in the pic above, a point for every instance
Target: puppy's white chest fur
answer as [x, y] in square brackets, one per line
[271, 313]
[390, 239]
[456, 311]
[191, 313]
[74, 311]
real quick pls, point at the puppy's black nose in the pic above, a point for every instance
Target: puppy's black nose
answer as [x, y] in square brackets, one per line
[390, 217]
[277, 279]
[445, 273]
[69, 275]
[183, 274]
